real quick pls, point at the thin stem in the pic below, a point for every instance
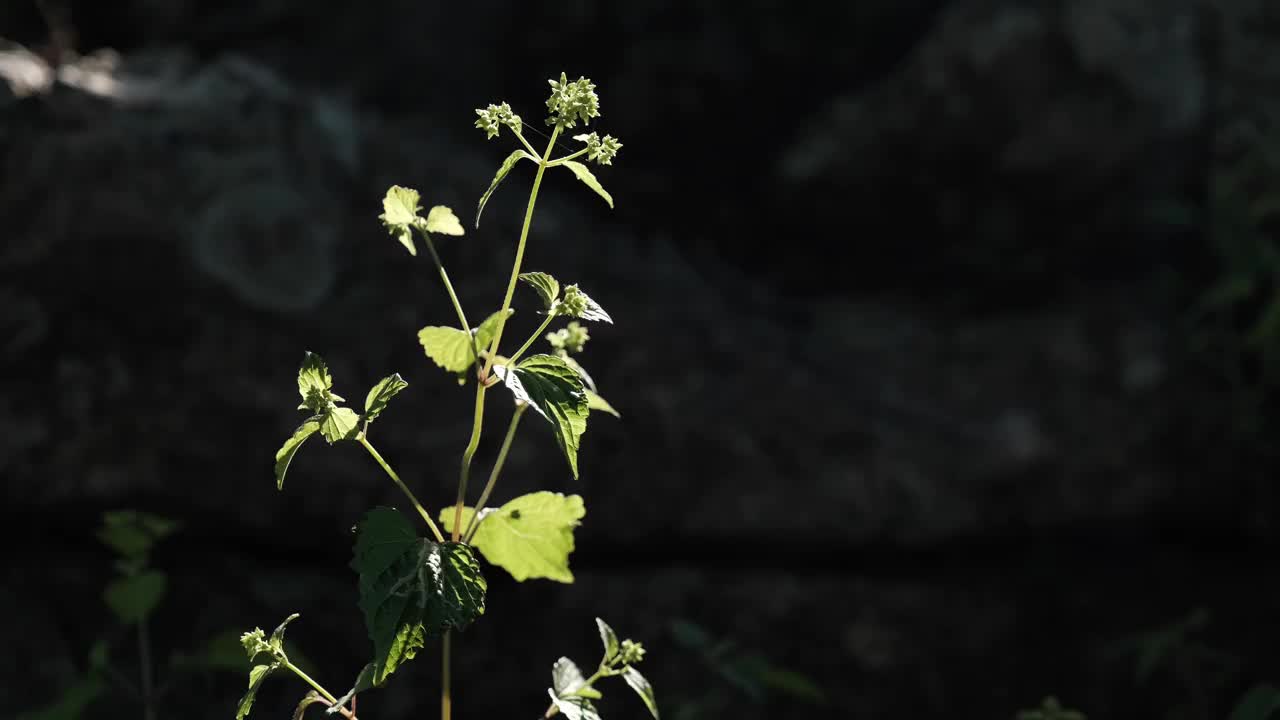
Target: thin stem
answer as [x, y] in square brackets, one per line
[448, 286]
[446, 700]
[144, 659]
[405, 488]
[567, 158]
[328, 696]
[474, 525]
[526, 144]
[515, 268]
[532, 339]
[464, 476]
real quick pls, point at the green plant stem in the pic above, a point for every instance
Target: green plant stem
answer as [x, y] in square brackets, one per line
[524, 237]
[532, 339]
[567, 158]
[144, 660]
[405, 488]
[474, 525]
[468, 454]
[448, 286]
[328, 696]
[526, 144]
[446, 700]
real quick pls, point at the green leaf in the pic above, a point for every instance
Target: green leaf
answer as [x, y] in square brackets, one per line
[256, 676]
[574, 708]
[134, 597]
[451, 348]
[529, 537]
[1261, 702]
[584, 174]
[399, 214]
[507, 164]
[411, 588]
[608, 638]
[284, 456]
[378, 397]
[364, 681]
[311, 698]
[595, 402]
[642, 688]
[442, 220]
[73, 703]
[566, 678]
[132, 533]
[276, 641]
[315, 385]
[556, 392]
[339, 424]
[792, 683]
[547, 286]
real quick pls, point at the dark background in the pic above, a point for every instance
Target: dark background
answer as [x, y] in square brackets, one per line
[945, 341]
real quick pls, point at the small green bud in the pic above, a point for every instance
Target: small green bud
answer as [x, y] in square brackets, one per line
[254, 643]
[573, 303]
[631, 652]
[600, 150]
[494, 116]
[572, 101]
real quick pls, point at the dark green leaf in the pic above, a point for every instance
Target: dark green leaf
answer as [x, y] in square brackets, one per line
[378, 397]
[1260, 703]
[132, 533]
[411, 588]
[284, 456]
[547, 286]
[339, 424]
[584, 174]
[608, 638]
[556, 392]
[135, 597]
[256, 675]
[507, 164]
[529, 537]
[73, 703]
[276, 641]
[642, 688]
[792, 683]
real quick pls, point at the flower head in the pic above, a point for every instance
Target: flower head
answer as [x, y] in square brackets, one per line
[572, 101]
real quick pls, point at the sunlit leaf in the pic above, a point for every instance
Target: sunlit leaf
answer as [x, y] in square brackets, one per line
[556, 392]
[507, 164]
[529, 537]
[378, 397]
[583, 173]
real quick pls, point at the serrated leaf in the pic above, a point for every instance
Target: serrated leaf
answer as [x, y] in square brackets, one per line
[547, 286]
[448, 347]
[586, 377]
[452, 349]
[399, 214]
[529, 537]
[276, 641]
[284, 456]
[256, 675]
[315, 385]
[376, 401]
[411, 588]
[595, 402]
[134, 597]
[1261, 702]
[584, 174]
[556, 392]
[574, 708]
[566, 678]
[339, 424]
[608, 638]
[442, 220]
[642, 687]
[507, 164]
[582, 306]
